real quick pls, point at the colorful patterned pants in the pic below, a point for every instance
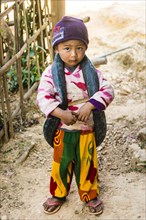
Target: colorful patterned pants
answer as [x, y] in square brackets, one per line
[74, 152]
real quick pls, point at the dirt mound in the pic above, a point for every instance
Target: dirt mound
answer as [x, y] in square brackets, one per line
[133, 61]
[116, 26]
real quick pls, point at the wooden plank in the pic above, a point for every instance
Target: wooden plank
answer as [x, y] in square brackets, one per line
[57, 8]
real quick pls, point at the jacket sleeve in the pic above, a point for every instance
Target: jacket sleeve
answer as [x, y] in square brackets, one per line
[47, 97]
[104, 96]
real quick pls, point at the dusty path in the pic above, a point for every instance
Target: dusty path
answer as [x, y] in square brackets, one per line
[25, 186]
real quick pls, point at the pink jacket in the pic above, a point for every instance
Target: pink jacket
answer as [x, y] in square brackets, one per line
[77, 95]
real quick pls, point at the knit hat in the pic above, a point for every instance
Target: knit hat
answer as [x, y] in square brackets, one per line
[70, 28]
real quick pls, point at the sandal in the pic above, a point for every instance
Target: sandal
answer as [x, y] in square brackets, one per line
[95, 206]
[52, 205]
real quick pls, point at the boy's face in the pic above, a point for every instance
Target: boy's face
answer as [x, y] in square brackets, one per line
[71, 52]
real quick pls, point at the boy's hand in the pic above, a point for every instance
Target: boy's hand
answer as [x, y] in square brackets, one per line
[68, 117]
[84, 112]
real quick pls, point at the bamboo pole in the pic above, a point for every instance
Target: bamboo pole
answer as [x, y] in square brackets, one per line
[28, 47]
[86, 19]
[35, 51]
[3, 14]
[2, 94]
[49, 38]
[1, 50]
[7, 66]
[7, 100]
[17, 110]
[5, 129]
[18, 62]
[41, 34]
[0, 6]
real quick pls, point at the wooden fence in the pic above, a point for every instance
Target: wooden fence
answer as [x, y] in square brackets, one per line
[25, 30]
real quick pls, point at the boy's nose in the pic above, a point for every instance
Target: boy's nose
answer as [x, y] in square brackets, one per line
[73, 52]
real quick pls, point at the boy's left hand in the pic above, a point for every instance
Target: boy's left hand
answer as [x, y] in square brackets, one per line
[84, 112]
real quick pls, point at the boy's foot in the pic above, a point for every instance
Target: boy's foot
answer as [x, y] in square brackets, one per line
[95, 206]
[52, 205]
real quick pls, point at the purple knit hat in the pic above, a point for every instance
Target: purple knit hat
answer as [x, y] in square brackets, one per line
[69, 28]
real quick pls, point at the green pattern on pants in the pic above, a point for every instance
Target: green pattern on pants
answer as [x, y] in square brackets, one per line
[70, 153]
[74, 151]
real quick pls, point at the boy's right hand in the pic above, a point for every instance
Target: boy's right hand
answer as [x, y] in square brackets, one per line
[68, 117]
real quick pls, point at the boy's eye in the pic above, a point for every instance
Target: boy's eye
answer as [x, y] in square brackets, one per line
[67, 48]
[80, 48]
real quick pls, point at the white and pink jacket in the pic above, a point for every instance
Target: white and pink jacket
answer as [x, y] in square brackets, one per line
[48, 98]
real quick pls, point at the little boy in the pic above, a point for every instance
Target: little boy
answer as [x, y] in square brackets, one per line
[74, 141]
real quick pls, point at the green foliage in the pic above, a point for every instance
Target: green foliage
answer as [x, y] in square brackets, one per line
[34, 76]
[12, 79]
[31, 75]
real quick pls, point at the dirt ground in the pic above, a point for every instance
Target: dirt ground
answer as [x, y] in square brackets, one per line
[26, 159]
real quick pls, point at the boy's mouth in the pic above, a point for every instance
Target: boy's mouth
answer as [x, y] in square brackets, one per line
[73, 61]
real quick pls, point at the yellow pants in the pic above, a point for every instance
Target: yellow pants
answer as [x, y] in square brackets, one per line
[75, 152]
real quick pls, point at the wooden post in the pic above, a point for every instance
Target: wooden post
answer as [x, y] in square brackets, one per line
[58, 11]
[57, 8]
